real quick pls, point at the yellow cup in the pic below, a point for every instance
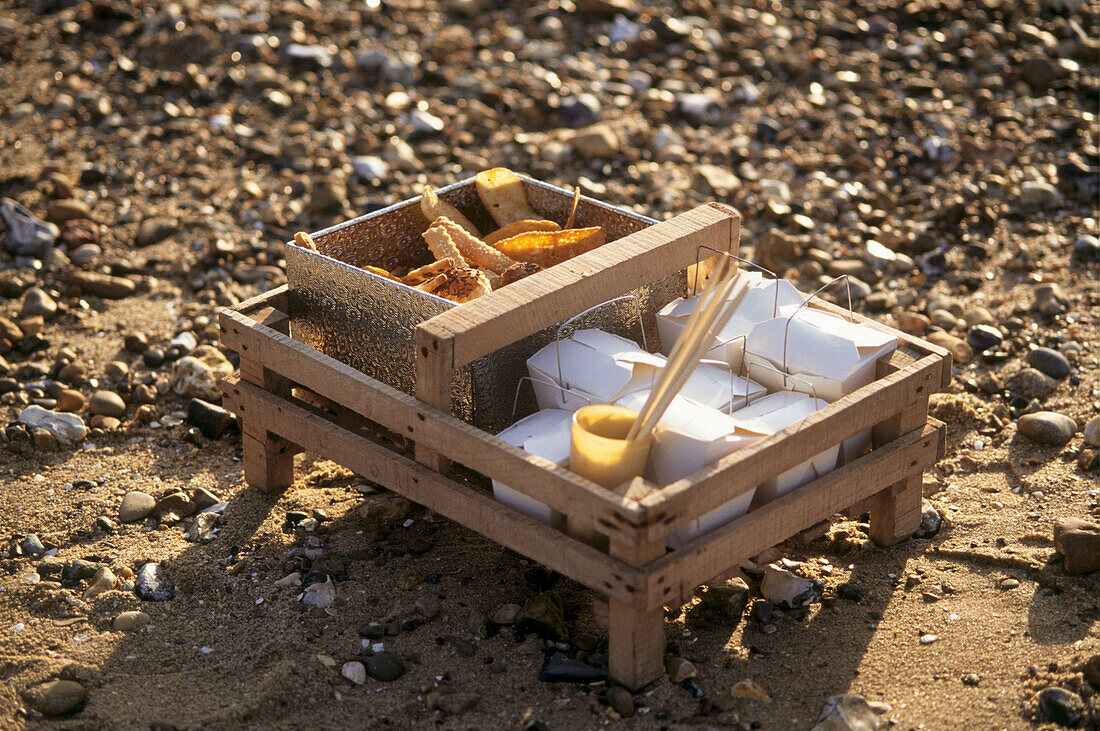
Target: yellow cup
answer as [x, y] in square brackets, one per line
[599, 451]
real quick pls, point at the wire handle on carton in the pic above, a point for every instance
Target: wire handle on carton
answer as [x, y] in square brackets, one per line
[793, 376]
[557, 333]
[726, 367]
[735, 257]
[787, 327]
[551, 384]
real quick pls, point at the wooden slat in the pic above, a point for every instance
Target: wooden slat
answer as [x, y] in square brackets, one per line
[673, 577]
[405, 415]
[555, 294]
[895, 512]
[467, 505]
[686, 499]
[636, 636]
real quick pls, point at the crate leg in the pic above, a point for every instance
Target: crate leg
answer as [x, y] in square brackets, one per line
[895, 511]
[268, 458]
[636, 637]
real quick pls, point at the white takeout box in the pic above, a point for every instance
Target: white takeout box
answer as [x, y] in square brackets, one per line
[773, 413]
[689, 437]
[760, 299]
[598, 368]
[547, 434]
[817, 353]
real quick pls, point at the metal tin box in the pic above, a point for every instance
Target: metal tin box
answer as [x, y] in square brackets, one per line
[368, 322]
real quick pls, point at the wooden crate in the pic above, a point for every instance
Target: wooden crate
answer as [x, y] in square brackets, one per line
[366, 425]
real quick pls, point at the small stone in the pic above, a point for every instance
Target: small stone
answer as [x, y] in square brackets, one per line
[151, 584]
[679, 670]
[715, 180]
[427, 607]
[37, 303]
[960, 351]
[727, 601]
[1087, 250]
[580, 111]
[102, 581]
[928, 639]
[1092, 432]
[1007, 584]
[598, 142]
[103, 285]
[1091, 671]
[197, 374]
[291, 580]
[153, 358]
[204, 528]
[851, 592]
[543, 615]
[1031, 384]
[355, 672]
[26, 234]
[154, 230]
[1078, 540]
[212, 420]
[372, 631]
[1035, 194]
[557, 668]
[67, 209]
[174, 506]
[848, 712]
[321, 594]
[66, 428]
[70, 400]
[984, 337]
[782, 588]
[57, 697]
[622, 701]
[971, 679]
[106, 403]
[930, 521]
[385, 667]
[749, 688]
[1061, 706]
[1047, 427]
[1050, 300]
[136, 506]
[130, 621]
[1050, 362]
[506, 614]
[32, 546]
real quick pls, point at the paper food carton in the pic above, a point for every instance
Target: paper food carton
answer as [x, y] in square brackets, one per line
[772, 413]
[758, 298]
[597, 367]
[547, 434]
[824, 355]
[689, 437]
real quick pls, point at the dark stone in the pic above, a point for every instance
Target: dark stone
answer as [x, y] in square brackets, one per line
[1030, 383]
[1087, 250]
[622, 701]
[1061, 706]
[372, 631]
[153, 358]
[580, 111]
[151, 585]
[763, 611]
[767, 130]
[1050, 362]
[79, 570]
[385, 666]
[545, 616]
[557, 668]
[212, 420]
[50, 570]
[1091, 670]
[32, 546]
[851, 592]
[930, 521]
[984, 337]
[725, 602]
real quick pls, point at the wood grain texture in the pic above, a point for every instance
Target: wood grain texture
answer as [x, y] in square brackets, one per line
[465, 504]
[895, 512]
[636, 636]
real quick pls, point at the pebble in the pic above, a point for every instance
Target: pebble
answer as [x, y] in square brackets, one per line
[928, 639]
[622, 701]
[1091, 671]
[1061, 706]
[848, 712]
[130, 621]
[679, 669]
[135, 506]
[506, 614]
[1035, 194]
[66, 209]
[961, 352]
[1007, 584]
[557, 668]
[750, 689]
[106, 403]
[32, 546]
[66, 428]
[103, 285]
[455, 704]
[355, 672]
[321, 594]
[984, 337]
[1087, 250]
[1047, 427]
[598, 142]
[154, 230]
[1031, 384]
[782, 588]
[102, 581]
[427, 607]
[1050, 362]
[203, 529]
[930, 521]
[70, 400]
[385, 667]
[851, 592]
[37, 303]
[26, 234]
[1092, 432]
[581, 110]
[197, 375]
[370, 168]
[727, 601]
[543, 615]
[212, 420]
[1078, 540]
[1050, 300]
[152, 585]
[57, 697]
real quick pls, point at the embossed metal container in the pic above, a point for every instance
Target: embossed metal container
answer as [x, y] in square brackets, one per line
[368, 322]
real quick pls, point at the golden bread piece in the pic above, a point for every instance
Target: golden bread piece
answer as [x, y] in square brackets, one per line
[305, 241]
[504, 197]
[547, 248]
[458, 285]
[428, 272]
[495, 280]
[519, 227]
[382, 273]
[433, 208]
[442, 245]
[518, 271]
[473, 249]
